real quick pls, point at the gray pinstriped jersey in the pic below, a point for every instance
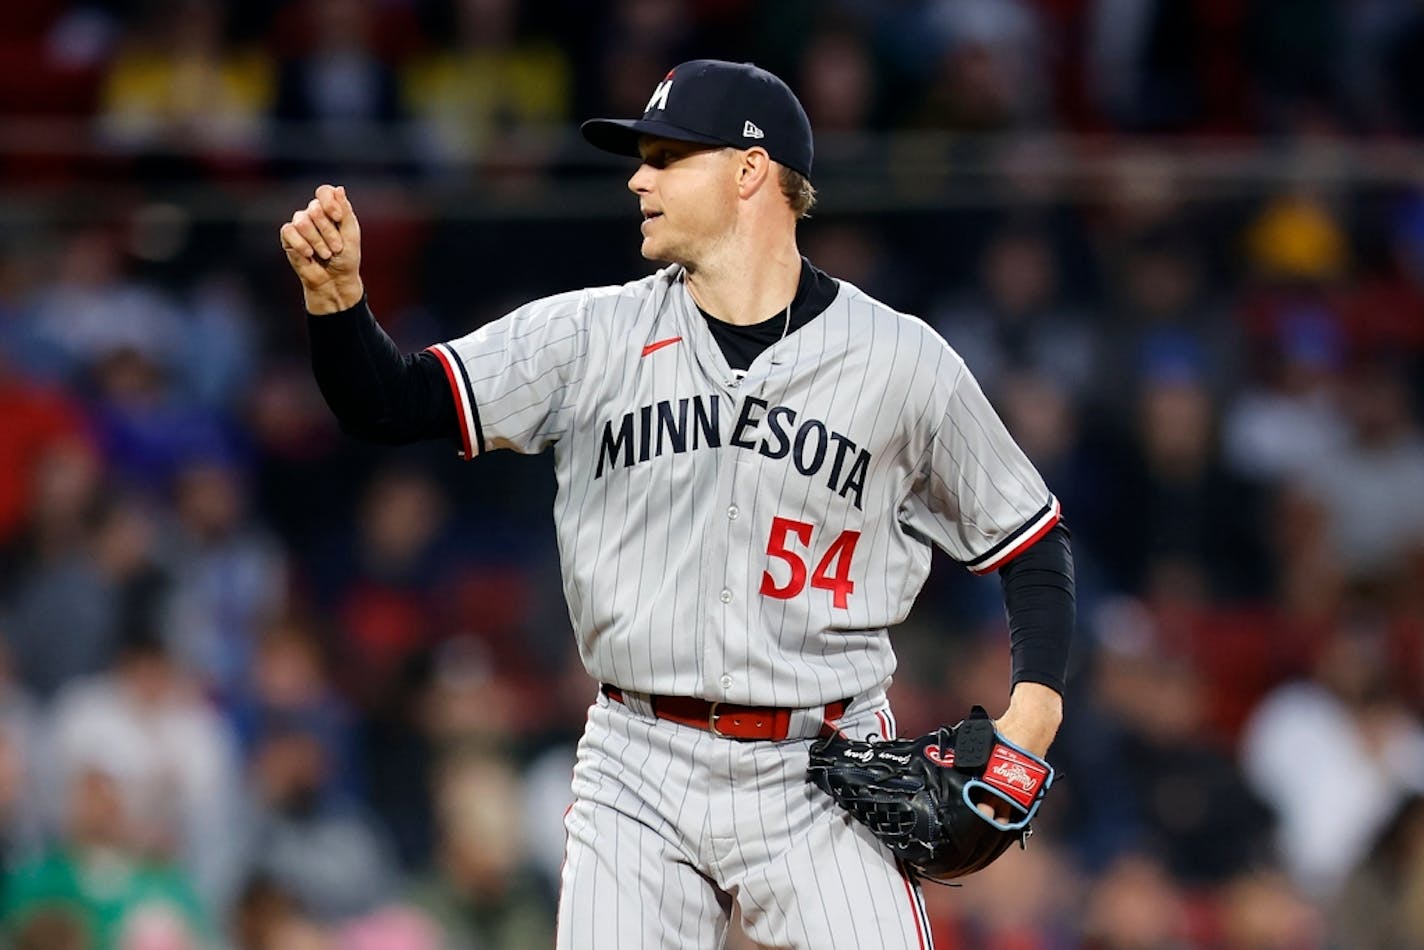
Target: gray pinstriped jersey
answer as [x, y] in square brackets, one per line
[746, 540]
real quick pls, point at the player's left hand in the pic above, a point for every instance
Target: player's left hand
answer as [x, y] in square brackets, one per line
[922, 797]
[1035, 712]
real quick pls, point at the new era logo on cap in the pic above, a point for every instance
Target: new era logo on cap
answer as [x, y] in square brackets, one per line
[713, 102]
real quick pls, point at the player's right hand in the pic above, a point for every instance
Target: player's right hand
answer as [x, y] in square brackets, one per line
[323, 245]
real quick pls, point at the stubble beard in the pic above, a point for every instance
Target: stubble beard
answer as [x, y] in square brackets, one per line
[666, 252]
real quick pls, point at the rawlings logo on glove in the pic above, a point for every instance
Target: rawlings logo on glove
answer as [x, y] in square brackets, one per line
[921, 796]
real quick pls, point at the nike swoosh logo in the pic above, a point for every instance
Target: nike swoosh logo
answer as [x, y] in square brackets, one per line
[659, 344]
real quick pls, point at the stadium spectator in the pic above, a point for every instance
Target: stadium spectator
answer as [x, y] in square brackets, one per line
[336, 96]
[230, 576]
[1382, 903]
[67, 611]
[481, 891]
[38, 420]
[312, 842]
[489, 98]
[179, 96]
[1016, 320]
[289, 680]
[175, 761]
[1326, 826]
[100, 881]
[1369, 492]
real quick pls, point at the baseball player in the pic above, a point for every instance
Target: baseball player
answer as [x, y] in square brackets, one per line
[753, 460]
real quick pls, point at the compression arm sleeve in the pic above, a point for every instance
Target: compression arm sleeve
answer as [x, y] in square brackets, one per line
[1039, 599]
[377, 394]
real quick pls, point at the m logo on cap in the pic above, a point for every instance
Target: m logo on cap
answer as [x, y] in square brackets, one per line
[723, 104]
[659, 98]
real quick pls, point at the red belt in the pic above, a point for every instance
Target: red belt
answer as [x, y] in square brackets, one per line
[728, 719]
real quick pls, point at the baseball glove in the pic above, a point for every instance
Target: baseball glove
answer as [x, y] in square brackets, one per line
[919, 796]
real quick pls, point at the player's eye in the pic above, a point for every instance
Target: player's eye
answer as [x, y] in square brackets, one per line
[663, 156]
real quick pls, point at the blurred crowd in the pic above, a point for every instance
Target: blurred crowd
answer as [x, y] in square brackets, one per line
[264, 687]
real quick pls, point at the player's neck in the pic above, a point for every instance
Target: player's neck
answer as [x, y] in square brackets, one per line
[748, 287]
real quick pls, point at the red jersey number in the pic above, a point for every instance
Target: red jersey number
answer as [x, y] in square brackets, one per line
[832, 571]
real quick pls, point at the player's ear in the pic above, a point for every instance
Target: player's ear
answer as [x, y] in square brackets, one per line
[753, 171]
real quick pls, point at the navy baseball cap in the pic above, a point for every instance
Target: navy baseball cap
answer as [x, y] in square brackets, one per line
[713, 102]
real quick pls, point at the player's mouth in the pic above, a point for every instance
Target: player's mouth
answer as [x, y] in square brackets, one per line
[649, 217]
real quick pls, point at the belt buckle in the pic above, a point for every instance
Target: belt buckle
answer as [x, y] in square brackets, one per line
[712, 716]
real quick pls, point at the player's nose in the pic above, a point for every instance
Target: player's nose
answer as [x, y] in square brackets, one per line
[641, 182]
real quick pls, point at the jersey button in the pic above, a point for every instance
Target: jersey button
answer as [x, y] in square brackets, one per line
[726, 681]
[726, 596]
[732, 512]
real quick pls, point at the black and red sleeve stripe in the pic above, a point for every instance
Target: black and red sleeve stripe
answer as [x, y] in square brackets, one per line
[1015, 544]
[472, 437]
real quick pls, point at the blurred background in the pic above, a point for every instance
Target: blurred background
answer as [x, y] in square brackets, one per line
[264, 687]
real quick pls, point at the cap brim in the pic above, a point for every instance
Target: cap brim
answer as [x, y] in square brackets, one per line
[620, 136]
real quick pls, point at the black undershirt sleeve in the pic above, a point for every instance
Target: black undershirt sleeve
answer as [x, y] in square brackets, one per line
[1039, 599]
[378, 394]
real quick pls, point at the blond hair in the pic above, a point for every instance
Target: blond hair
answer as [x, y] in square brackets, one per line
[799, 192]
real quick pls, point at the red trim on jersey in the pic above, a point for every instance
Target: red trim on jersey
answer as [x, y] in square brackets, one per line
[884, 724]
[456, 394]
[1019, 547]
[917, 910]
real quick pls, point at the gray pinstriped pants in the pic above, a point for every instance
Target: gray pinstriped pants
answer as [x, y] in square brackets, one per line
[671, 825]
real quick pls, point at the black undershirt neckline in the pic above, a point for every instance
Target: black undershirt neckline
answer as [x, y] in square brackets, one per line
[742, 344]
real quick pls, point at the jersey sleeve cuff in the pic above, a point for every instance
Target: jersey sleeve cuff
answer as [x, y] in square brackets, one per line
[1018, 542]
[472, 439]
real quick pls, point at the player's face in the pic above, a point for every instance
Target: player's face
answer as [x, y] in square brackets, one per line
[688, 196]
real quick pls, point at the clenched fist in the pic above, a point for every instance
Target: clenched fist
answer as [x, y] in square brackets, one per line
[323, 245]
